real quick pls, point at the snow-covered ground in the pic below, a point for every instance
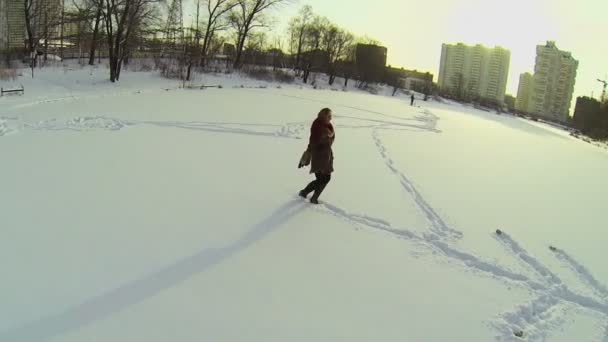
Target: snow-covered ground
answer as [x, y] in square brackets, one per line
[143, 212]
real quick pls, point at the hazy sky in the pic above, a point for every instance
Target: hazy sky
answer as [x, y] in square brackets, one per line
[413, 30]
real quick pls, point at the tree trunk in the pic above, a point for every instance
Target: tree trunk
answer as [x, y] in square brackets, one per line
[239, 51]
[208, 35]
[189, 70]
[300, 42]
[30, 36]
[95, 34]
[110, 36]
[46, 37]
[117, 52]
[242, 39]
[118, 68]
[307, 73]
[112, 70]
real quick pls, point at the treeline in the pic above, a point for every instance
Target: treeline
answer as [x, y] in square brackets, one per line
[231, 33]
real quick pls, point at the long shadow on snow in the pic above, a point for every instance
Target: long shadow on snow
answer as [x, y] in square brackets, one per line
[137, 291]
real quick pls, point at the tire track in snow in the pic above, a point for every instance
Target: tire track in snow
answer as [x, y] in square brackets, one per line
[438, 225]
[581, 272]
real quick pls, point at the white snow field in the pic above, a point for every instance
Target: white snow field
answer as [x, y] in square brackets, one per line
[143, 212]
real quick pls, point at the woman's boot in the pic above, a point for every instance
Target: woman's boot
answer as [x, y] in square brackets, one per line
[318, 190]
[309, 188]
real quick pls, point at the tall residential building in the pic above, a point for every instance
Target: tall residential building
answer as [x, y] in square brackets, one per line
[474, 71]
[12, 24]
[523, 92]
[554, 78]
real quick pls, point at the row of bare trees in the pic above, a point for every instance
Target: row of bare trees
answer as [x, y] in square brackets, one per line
[310, 32]
[319, 44]
[242, 16]
[41, 22]
[51, 22]
[118, 29]
[119, 26]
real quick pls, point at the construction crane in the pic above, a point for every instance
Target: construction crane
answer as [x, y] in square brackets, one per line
[604, 90]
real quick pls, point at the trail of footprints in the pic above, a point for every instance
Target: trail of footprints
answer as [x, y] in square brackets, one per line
[531, 321]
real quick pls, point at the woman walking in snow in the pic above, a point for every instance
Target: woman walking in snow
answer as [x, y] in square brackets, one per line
[319, 154]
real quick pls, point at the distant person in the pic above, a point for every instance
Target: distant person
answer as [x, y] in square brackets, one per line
[319, 154]
[412, 100]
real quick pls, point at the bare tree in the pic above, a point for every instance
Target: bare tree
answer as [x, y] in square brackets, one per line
[256, 41]
[216, 11]
[215, 44]
[32, 42]
[97, 5]
[336, 43]
[78, 20]
[247, 16]
[315, 31]
[297, 29]
[50, 23]
[278, 59]
[122, 18]
[194, 48]
[42, 19]
[88, 19]
[330, 36]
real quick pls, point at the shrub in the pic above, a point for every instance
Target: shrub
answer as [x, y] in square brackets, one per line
[8, 74]
[265, 74]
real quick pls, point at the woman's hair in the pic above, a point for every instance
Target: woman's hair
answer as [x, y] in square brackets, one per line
[323, 113]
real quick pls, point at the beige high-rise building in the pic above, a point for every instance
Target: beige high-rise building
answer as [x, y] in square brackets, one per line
[553, 82]
[523, 92]
[12, 24]
[474, 72]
